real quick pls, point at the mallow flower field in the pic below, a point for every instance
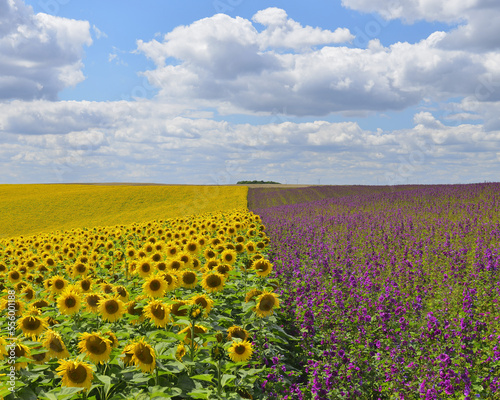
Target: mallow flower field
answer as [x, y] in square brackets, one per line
[394, 292]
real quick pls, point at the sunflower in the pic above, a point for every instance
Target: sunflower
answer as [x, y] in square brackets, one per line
[157, 312]
[69, 302]
[189, 279]
[262, 267]
[58, 284]
[14, 276]
[92, 302]
[79, 268]
[136, 310]
[21, 351]
[97, 347]
[198, 329]
[144, 268]
[252, 294]
[75, 373]
[6, 304]
[210, 264]
[107, 288]
[121, 293]
[175, 265]
[54, 344]
[203, 301]
[142, 355]
[240, 351]
[40, 304]
[112, 338]
[209, 253]
[224, 269]
[213, 282]
[192, 247]
[28, 293]
[228, 256]
[237, 332]
[250, 247]
[32, 326]
[155, 286]
[111, 309]
[180, 351]
[175, 308]
[266, 303]
[84, 285]
[40, 355]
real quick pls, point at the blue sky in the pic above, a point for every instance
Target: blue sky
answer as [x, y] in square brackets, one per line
[352, 91]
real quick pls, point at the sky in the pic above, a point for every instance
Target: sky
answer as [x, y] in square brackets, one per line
[376, 92]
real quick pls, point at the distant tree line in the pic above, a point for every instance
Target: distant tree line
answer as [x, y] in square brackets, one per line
[257, 182]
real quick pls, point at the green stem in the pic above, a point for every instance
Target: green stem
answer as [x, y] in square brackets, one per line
[219, 379]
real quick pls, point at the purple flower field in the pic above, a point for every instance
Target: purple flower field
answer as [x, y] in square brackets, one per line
[395, 292]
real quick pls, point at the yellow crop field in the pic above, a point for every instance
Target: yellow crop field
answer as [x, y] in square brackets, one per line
[169, 308]
[30, 209]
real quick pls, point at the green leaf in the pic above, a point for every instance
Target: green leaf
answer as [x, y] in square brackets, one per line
[226, 378]
[107, 382]
[203, 377]
[201, 394]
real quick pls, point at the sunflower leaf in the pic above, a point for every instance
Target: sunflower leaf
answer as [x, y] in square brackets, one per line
[226, 378]
[203, 377]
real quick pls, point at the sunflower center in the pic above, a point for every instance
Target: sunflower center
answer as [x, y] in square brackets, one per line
[134, 310]
[56, 345]
[214, 281]
[266, 303]
[155, 285]
[80, 268]
[111, 306]
[189, 278]
[70, 302]
[228, 257]
[168, 279]
[262, 266]
[31, 323]
[15, 275]
[158, 311]
[78, 374]
[121, 291]
[201, 301]
[143, 354]
[157, 257]
[145, 267]
[93, 300]
[175, 265]
[20, 352]
[59, 284]
[39, 356]
[240, 349]
[239, 333]
[179, 313]
[191, 247]
[96, 345]
[85, 285]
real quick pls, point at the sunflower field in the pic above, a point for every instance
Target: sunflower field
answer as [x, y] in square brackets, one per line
[30, 209]
[170, 308]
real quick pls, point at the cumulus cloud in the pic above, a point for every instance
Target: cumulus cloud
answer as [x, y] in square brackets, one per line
[475, 29]
[120, 141]
[40, 54]
[227, 63]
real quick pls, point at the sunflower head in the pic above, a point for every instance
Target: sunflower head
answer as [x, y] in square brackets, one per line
[262, 267]
[21, 351]
[240, 351]
[203, 301]
[157, 312]
[213, 282]
[69, 302]
[111, 309]
[55, 345]
[180, 351]
[75, 373]
[237, 332]
[266, 303]
[95, 346]
[143, 356]
[32, 326]
[189, 279]
[155, 286]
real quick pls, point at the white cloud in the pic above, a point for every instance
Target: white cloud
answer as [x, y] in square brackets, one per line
[40, 54]
[475, 31]
[226, 63]
[120, 141]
